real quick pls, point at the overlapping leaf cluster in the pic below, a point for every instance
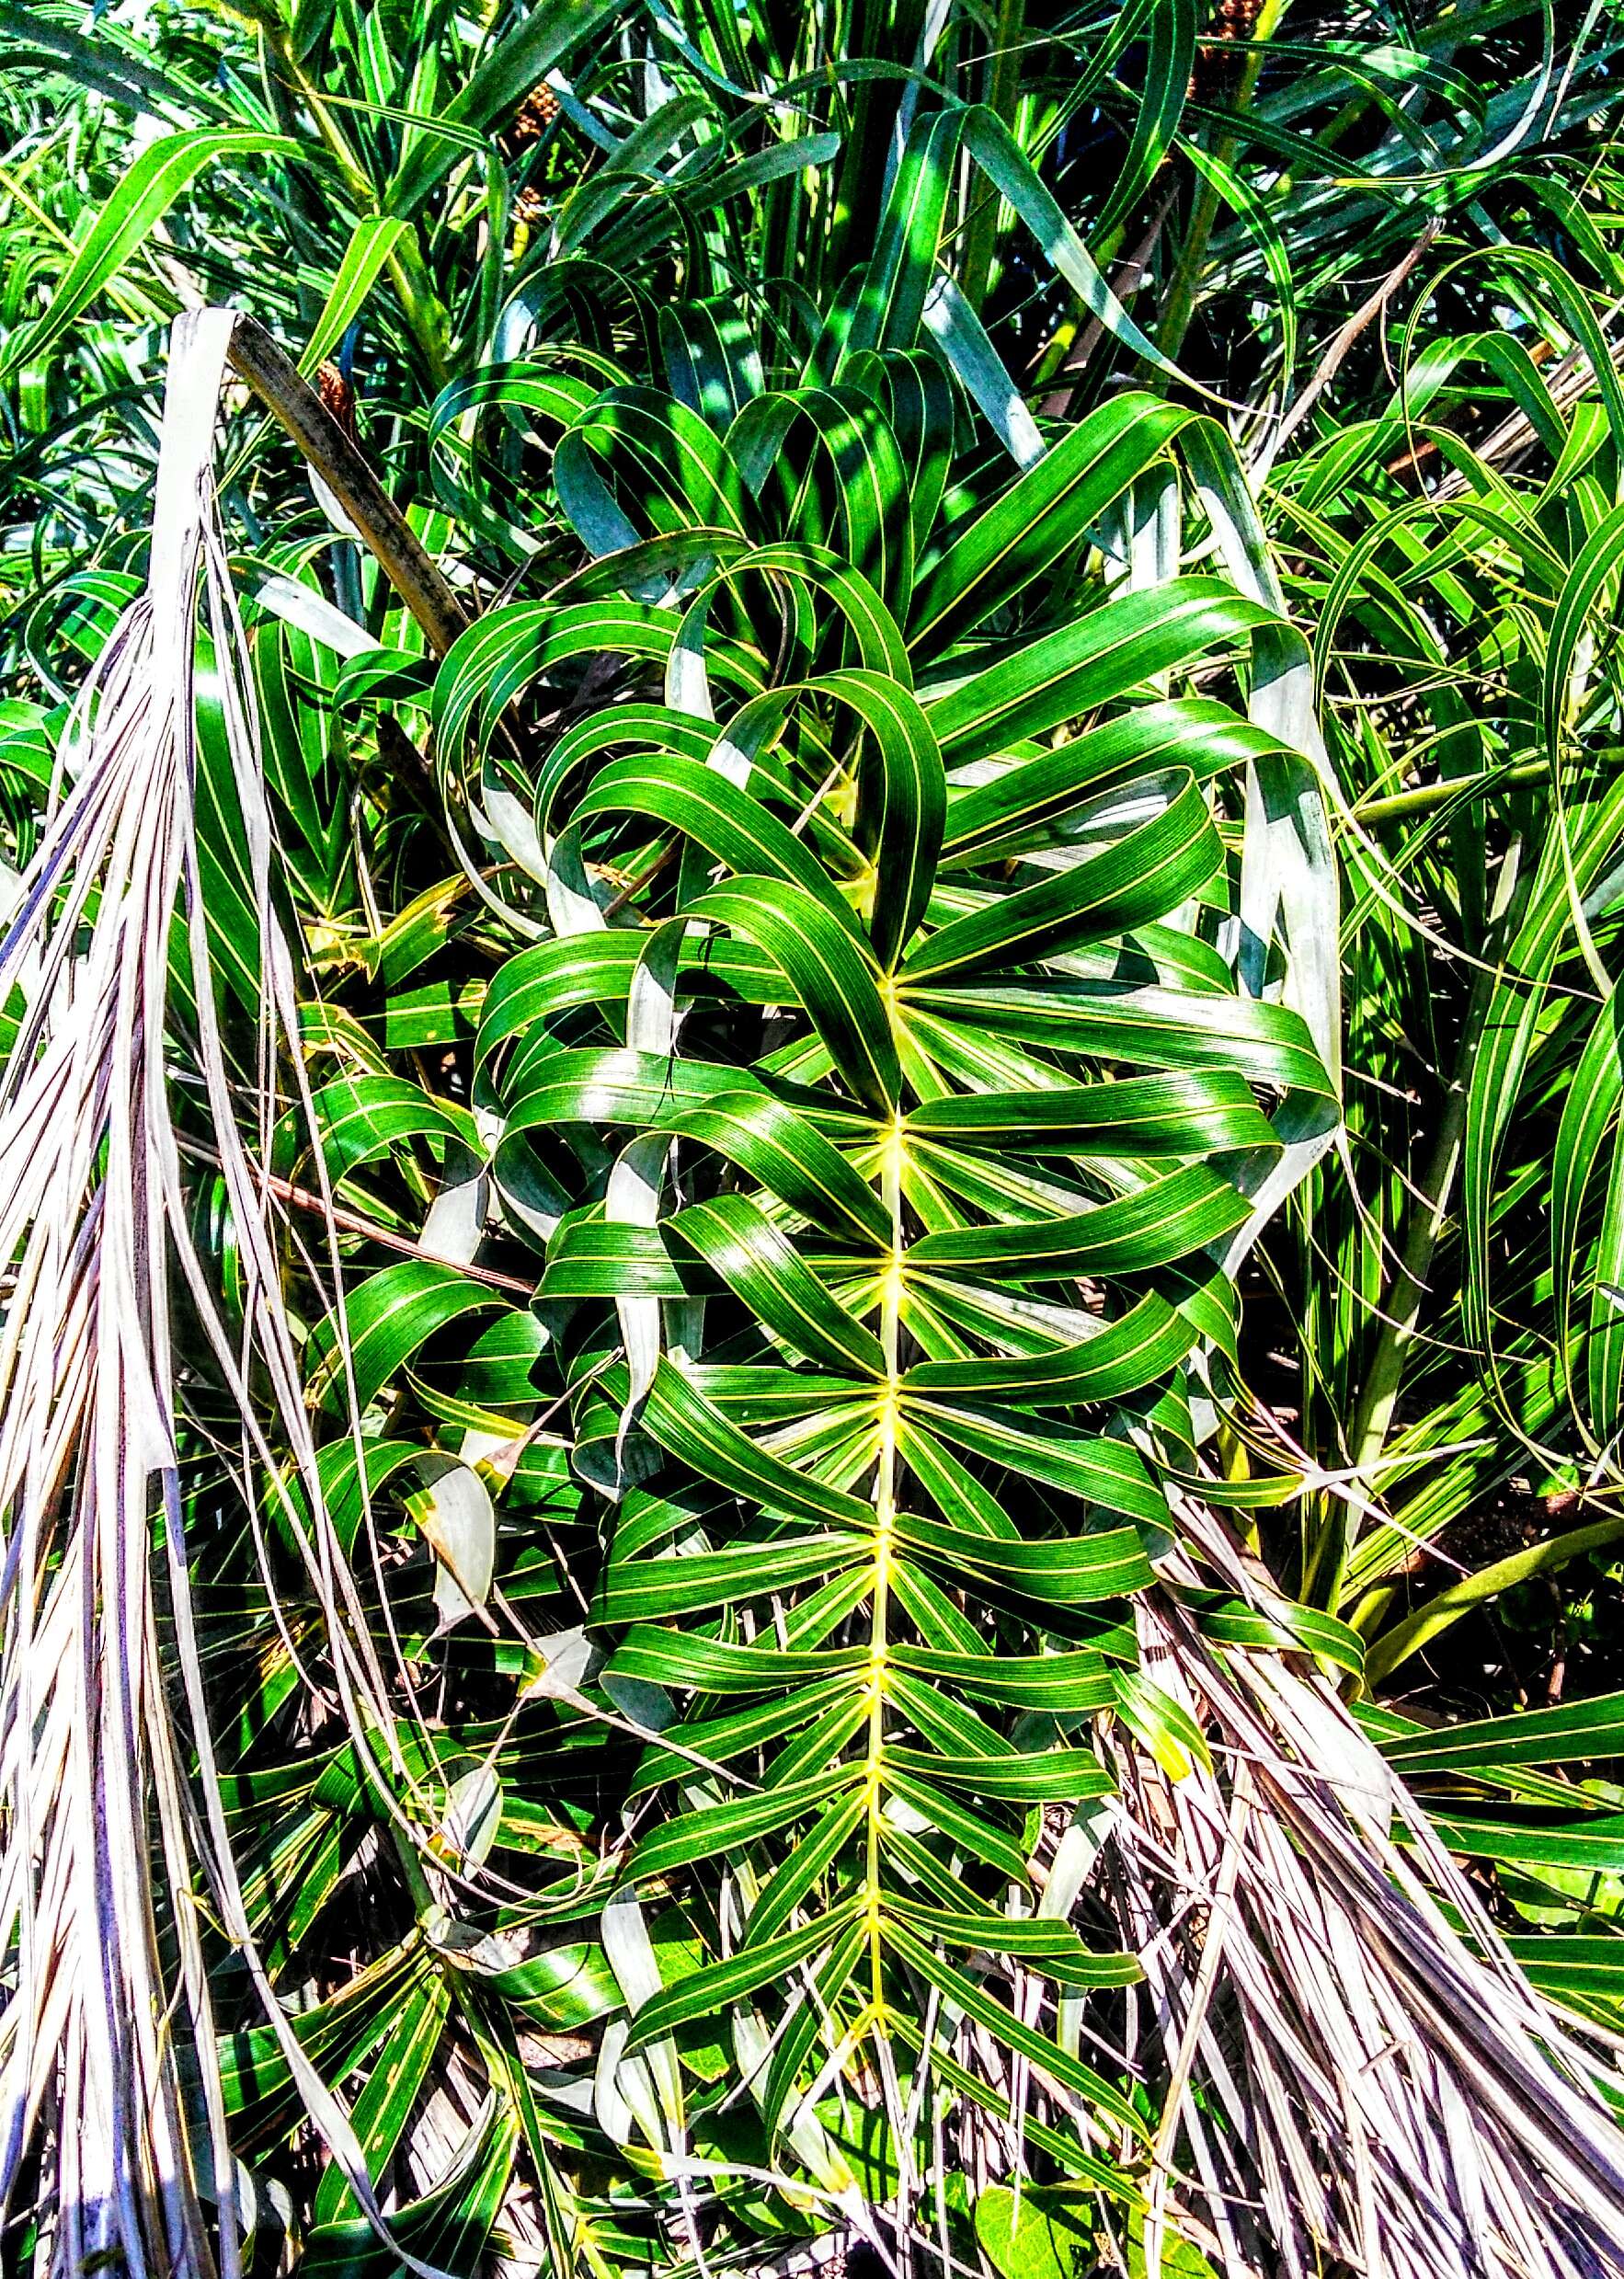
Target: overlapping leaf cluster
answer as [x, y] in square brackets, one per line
[899, 1279]
[808, 1004]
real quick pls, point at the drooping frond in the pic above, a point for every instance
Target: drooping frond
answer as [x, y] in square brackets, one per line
[111, 2114]
[1358, 2068]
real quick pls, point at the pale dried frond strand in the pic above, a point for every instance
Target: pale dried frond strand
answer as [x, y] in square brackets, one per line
[1371, 2076]
[100, 1779]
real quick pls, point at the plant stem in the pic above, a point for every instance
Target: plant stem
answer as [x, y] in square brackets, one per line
[419, 304]
[1002, 97]
[353, 1222]
[1405, 1638]
[1331, 364]
[1186, 279]
[1385, 1375]
[296, 406]
[1126, 280]
[1428, 1209]
[884, 1513]
[1423, 797]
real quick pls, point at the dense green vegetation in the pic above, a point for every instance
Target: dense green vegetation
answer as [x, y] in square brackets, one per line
[813, 1349]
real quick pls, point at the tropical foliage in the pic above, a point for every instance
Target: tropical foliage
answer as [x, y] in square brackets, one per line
[810, 1143]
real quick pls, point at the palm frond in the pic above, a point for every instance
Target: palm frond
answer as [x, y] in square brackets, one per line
[112, 1804]
[1393, 2092]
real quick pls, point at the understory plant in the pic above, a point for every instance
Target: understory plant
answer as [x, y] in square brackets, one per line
[787, 1111]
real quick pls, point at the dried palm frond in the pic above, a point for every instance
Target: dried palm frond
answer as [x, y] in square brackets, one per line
[1358, 2068]
[112, 1834]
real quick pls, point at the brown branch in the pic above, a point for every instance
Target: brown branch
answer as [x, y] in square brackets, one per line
[1365, 314]
[1412, 458]
[300, 412]
[1125, 281]
[1571, 376]
[351, 1222]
